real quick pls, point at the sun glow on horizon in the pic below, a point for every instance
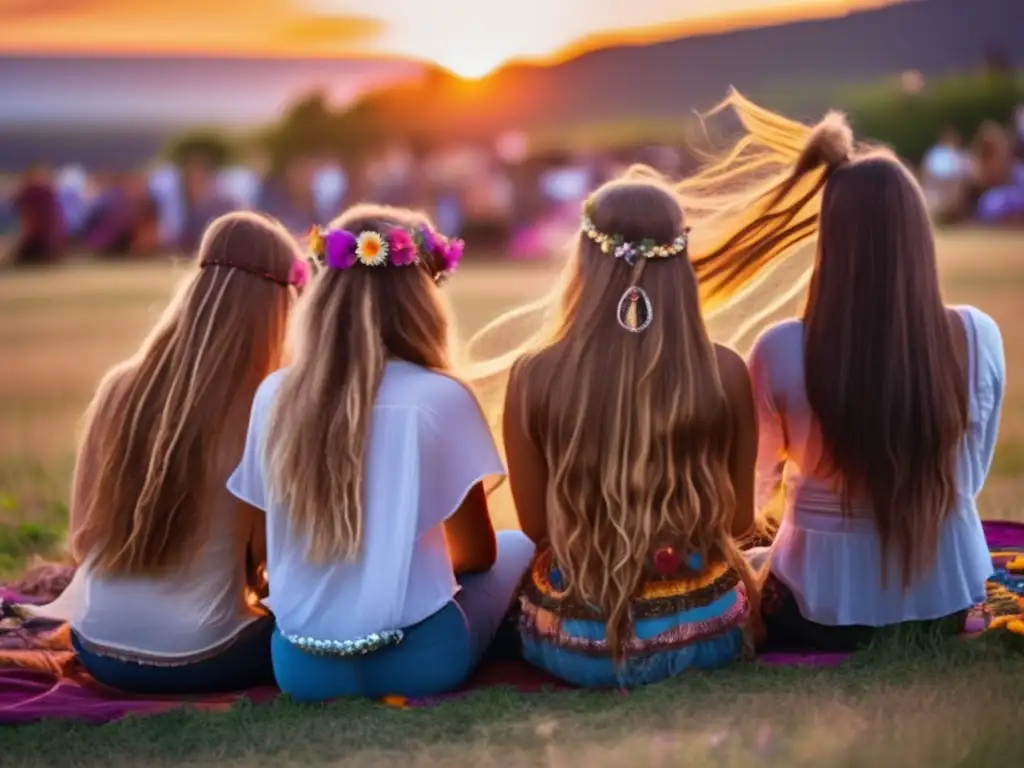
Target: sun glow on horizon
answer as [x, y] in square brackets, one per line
[469, 66]
[471, 39]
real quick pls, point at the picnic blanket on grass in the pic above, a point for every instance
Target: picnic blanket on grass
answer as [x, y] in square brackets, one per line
[41, 678]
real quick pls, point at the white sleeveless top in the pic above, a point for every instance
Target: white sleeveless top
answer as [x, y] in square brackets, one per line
[832, 562]
[429, 445]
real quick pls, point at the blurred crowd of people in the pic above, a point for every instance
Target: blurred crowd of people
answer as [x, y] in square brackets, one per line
[983, 180]
[119, 215]
[495, 197]
[500, 199]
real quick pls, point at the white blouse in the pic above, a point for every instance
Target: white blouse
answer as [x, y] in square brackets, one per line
[832, 562]
[429, 445]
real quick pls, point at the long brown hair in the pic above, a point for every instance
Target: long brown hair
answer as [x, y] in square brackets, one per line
[173, 416]
[635, 428]
[882, 373]
[348, 325]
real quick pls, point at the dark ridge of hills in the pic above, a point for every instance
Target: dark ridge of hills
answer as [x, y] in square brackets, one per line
[673, 78]
[662, 80]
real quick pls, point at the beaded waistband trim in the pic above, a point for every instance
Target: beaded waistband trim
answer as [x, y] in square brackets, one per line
[360, 647]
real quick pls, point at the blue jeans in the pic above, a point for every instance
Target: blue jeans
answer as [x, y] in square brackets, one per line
[244, 664]
[436, 655]
[601, 672]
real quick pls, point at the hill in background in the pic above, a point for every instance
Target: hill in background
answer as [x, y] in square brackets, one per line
[796, 63]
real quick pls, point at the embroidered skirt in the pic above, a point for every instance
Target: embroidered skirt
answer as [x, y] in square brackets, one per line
[694, 621]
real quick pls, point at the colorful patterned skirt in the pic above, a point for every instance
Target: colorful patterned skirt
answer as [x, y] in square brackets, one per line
[695, 621]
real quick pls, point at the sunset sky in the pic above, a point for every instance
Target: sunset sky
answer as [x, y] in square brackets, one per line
[470, 37]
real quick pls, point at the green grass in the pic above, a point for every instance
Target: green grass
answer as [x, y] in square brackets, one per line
[950, 705]
[953, 704]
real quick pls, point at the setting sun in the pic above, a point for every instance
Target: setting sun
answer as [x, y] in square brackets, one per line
[469, 66]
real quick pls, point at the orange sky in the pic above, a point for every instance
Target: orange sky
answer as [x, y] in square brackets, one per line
[469, 37]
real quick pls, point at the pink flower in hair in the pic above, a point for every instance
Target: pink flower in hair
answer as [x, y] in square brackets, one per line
[340, 249]
[401, 248]
[298, 275]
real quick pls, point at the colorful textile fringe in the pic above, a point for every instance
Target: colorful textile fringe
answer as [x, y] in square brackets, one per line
[680, 604]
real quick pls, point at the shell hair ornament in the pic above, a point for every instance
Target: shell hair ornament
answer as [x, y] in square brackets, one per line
[634, 311]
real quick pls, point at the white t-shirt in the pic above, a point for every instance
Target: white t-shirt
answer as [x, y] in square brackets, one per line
[429, 445]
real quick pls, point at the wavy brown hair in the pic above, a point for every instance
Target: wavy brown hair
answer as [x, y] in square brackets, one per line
[350, 323]
[635, 429]
[883, 376]
[171, 420]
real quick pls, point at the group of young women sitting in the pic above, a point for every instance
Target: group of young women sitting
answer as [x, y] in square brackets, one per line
[349, 461]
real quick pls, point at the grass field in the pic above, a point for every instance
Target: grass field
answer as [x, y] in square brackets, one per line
[949, 705]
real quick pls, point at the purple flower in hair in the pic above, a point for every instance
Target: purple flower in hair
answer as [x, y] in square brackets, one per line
[340, 249]
[452, 254]
[433, 243]
[401, 248]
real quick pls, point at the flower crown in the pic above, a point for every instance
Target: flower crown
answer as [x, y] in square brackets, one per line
[341, 249]
[626, 250]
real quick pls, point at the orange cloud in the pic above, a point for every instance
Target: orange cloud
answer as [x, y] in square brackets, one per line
[468, 36]
[181, 27]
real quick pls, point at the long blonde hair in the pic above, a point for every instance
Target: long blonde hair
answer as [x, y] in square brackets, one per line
[635, 429]
[347, 327]
[173, 415]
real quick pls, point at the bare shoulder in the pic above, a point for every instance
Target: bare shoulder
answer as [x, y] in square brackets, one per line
[732, 369]
[731, 365]
[527, 369]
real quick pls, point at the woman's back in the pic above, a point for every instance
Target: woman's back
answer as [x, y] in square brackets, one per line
[414, 476]
[188, 611]
[162, 545]
[821, 549]
[630, 440]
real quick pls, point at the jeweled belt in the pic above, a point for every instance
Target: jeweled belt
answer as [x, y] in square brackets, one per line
[360, 647]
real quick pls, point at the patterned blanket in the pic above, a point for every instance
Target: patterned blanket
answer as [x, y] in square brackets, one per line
[41, 678]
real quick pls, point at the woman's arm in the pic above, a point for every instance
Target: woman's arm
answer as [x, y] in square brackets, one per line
[527, 471]
[743, 449]
[772, 442]
[472, 545]
[253, 532]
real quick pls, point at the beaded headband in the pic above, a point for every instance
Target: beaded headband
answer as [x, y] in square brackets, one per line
[634, 311]
[631, 251]
[298, 274]
[341, 249]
